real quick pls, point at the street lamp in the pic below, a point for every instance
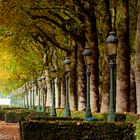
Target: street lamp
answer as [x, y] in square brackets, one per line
[53, 109]
[30, 93]
[26, 94]
[23, 95]
[111, 49]
[67, 70]
[33, 92]
[23, 100]
[39, 89]
[43, 91]
[87, 53]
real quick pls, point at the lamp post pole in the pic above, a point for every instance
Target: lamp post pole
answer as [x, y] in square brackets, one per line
[39, 88]
[27, 99]
[67, 112]
[112, 42]
[33, 92]
[30, 92]
[23, 97]
[43, 91]
[88, 109]
[26, 94]
[53, 109]
[111, 115]
[87, 53]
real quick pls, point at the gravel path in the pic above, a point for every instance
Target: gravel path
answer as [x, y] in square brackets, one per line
[9, 131]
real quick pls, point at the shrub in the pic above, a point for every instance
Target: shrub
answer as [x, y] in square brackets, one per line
[67, 130]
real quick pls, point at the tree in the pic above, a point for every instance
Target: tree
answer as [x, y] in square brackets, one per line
[123, 58]
[137, 58]
[105, 27]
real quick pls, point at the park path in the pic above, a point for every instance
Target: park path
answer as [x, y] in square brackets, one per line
[9, 131]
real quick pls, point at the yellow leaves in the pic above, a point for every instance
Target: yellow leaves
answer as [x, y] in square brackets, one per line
[5, 55]
[6, 64]
[5, 58]
[4, 75]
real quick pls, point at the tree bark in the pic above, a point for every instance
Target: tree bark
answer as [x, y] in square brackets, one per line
[92, 42]
[81, 81]
[73, 79]
[105, 25]
[137, 59]
[123, 59]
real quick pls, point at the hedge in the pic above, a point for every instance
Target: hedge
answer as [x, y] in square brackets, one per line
[13, 116]
[44, 130]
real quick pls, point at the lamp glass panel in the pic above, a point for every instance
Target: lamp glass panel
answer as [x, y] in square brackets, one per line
[112, 49]
[39, 83]
[30, 85]
[27, 85]
[67, 67]
[43, 81]
[53, 74]
[88, 59]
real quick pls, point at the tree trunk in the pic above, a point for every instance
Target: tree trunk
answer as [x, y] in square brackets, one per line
[81, 81]
[137, 59]
[105, 25]
[73, 79]
[123, 58]
[92, 42]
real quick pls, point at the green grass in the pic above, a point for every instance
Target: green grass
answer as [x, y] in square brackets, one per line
[138, 130]
[77, 114]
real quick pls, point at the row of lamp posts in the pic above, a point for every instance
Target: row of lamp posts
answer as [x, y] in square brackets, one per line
[41, 93]
[67, 107]
[111, 50]
[29, 91]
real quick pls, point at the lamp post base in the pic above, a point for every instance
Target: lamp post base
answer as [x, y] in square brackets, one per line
[30, 107]
[53, 113]
[38, 109]
[111, 117]
[67, 113]
[90, 119]
[43, 109]
[88, 116]
[88, 113]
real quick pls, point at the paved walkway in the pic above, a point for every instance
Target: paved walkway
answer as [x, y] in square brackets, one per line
[9, 131]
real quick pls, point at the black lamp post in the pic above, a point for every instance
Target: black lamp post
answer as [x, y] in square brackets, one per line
[67, 70]
[26, 94]
[39, 89]
[53, 109]
[43, 92]
[112, 43]
[24, 97]
[33, 92]
[30, 93]
[87, 53]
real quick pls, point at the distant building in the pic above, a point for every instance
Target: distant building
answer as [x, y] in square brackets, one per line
[4, 101]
